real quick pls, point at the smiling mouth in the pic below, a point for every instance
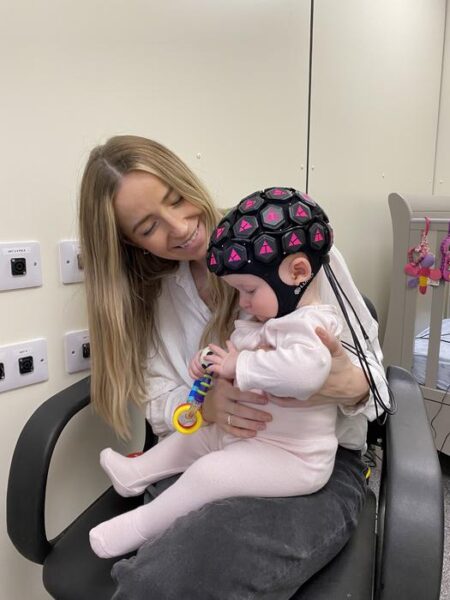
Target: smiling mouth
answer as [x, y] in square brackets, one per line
[190, 240]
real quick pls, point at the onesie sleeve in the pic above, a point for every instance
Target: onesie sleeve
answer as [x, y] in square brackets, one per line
[299, 365]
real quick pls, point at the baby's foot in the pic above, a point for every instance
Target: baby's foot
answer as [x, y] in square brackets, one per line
[123, 473]
[115, 537]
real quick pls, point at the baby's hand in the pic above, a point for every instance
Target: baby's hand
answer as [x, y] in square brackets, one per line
[223, 362]
[195, 369]
[265, 347]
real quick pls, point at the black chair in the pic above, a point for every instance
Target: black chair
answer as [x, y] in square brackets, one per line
[396, 551]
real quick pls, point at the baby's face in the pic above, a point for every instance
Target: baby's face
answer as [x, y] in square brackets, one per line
[255, 295]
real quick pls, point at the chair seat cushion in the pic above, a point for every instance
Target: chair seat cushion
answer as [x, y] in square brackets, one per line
[350, 574]
[72, 571]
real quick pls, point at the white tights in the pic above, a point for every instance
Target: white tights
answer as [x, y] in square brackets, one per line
[214, 466]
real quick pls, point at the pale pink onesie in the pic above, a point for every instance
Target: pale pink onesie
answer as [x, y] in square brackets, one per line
[294, 455]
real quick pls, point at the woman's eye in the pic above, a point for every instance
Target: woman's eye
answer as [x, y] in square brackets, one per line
[149, 230]
[179, 200]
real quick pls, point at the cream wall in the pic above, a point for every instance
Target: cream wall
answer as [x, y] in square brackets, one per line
[226, 81]
[442, 173]
[375, 99]
[226, 86]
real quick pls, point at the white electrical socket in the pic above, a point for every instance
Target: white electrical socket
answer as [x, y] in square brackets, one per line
[77, 351]
[20, 265]
[23, 364]
[70, 265]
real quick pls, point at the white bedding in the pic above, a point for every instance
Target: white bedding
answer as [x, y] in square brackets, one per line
[421, 353]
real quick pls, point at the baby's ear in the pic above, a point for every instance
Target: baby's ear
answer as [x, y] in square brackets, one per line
[300, 269]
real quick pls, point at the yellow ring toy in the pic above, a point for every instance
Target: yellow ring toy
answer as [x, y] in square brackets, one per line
[187, 426]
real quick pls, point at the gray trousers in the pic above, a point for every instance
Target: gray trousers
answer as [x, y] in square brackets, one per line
[247, 548]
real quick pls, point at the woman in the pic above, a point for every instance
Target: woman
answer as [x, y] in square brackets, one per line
[145, 220]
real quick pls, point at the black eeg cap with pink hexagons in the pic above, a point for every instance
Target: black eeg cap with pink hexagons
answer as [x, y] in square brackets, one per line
[265, 227]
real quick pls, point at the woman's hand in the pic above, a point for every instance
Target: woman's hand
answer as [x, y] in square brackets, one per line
[223, 406]
[345, 385]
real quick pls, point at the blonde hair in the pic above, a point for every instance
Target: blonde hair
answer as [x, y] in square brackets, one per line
[122, 284]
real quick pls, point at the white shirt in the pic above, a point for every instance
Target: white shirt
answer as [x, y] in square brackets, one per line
[182, 316]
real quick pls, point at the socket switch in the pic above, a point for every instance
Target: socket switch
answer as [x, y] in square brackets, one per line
[20, 265]
[23, 364]
[77, 351]
[70, 264]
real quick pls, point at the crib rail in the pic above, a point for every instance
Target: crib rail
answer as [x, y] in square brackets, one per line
[408, 214]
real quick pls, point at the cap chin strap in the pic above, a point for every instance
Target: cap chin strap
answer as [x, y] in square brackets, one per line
[288, 296]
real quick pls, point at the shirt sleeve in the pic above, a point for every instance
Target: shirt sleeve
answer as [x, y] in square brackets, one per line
[374, 358]
[373, 351]
[165, 392]
[180, 320]
[160, 407]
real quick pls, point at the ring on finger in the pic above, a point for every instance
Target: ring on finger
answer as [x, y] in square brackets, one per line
[229, 419]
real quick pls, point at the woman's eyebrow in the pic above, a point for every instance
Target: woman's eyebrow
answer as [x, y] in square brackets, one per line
[166, 195]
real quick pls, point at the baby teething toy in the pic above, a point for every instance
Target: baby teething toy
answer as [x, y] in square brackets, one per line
[187, 417]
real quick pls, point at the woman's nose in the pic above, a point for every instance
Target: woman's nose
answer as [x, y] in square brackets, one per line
[178, 227]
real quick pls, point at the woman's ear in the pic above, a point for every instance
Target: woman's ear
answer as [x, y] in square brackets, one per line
[300, 269]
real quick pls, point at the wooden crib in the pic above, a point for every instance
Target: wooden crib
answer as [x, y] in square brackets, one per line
[410, 312]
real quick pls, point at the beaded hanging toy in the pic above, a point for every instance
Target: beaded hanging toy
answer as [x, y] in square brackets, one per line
[445, 257]
[420, 263]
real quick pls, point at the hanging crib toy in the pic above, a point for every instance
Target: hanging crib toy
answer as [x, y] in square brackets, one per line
[420, 263]
[445, 257]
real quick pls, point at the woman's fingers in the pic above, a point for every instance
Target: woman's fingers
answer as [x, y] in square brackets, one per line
[223, 406]
[238, 432]
[287, 402]
[235, 394]
[247, 414]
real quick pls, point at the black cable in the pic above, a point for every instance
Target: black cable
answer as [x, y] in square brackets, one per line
[443, 443]
[436, 416]
[358, 350]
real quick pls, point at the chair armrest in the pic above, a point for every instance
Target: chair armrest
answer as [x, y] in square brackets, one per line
[411, 515]
[29, 469]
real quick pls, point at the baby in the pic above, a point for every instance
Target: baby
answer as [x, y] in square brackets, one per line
[269, 248]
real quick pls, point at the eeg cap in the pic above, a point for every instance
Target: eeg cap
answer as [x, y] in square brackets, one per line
[254, 238]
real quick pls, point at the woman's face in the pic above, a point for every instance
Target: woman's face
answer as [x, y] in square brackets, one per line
[156, 218]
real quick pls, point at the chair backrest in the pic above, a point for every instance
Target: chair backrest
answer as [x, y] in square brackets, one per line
[150, 437]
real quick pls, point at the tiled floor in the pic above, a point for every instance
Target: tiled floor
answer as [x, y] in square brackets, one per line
[445, 465]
